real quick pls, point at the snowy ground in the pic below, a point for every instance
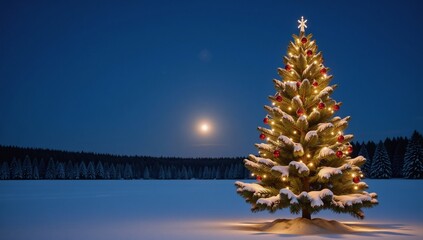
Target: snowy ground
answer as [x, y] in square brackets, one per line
[174, 210]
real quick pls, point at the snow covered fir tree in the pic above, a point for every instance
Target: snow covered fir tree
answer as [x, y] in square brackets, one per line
[413, 159]
[304, 163]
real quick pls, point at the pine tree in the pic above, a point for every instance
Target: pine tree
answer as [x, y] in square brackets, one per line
[60, 171]
[27, 168]
[5, 171]
[51, 169]
[35, 173]
[146, 174]
[76, 171]
[398, 158]
[161, 173]
[69, 170]
[305, 164]
[413, 158]
[112, 171]
[367, 165]
[381, 165]
[128, 172]
[184, 173]
[90, 171]
[82, 171]
[99, 170]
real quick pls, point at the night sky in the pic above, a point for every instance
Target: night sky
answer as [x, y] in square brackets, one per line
[137, 77]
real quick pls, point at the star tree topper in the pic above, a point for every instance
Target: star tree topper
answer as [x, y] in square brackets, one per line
[302, 25]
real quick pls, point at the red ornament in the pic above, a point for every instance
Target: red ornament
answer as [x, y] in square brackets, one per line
[288, 67]
[262, 136]
[276, 153]
[336, 107]
[309, 53]
[339, 154]
[340, 138]
[323, 70]
[279, 98]
[356, 179]
[266, 121]
[300, 111]
[258, 178]
[298, 84]
[304, 40]
[315, 83]
[350, 149]
[321, 105]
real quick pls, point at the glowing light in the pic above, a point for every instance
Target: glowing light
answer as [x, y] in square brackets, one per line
[355, 187]
[273, 103]
[315, 91]
[310, 164]
[283, 178]
[301, 161]
[295, 132]
[273, 122]
[290, 108]
[252, 174]
[308, 155]
[332, 133]
[315, 62]
[264, 176]
[268, 139]
[204, 128]
[287, 188]
[361, 175]
[353, 174]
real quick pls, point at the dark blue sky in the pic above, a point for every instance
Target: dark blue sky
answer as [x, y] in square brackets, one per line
[135, 77]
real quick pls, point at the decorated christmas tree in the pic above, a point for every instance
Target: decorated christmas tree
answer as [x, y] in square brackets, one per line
[303, 163]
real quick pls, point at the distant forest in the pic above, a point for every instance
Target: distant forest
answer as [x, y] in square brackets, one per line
[393, 158]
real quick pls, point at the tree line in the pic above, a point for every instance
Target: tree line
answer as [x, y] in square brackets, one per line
[392, 158]
[35, 163]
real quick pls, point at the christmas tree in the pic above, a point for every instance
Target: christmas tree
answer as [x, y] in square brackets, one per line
[304, 162]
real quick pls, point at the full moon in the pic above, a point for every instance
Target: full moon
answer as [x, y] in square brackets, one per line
[204, 127]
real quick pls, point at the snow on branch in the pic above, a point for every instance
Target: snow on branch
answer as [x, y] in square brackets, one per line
[267, 162]
[284, 170]
[323, 126]
[298, 149]
[251, 164]
[351, 199]
[301, 167]
[250, 187]
[270, 201]
[310, 135]
[356, 161]
[265, 146]
[327, 172]
[286, 140]
[283, 114]
[326, 152]
[315, 197]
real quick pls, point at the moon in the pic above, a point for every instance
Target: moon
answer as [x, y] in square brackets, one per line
[204, 128]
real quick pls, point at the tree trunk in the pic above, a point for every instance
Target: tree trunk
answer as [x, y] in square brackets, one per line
[306, 187]
[306, 214]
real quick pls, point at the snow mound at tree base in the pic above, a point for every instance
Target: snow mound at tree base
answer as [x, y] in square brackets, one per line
[305, 226]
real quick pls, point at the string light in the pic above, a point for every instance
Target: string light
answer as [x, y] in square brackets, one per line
[353, 174]
[355, 187]
[332, 133]
[315, 62]
[290, 108]
[273, 103]
[268, 139]
[361, 175]
[283, 178]
[295, 132]
[301, 161]
[310, 164]
[287, 188]
[252, 174]
[308, 155]
[314, 109]
[315, 90]
[264, 176]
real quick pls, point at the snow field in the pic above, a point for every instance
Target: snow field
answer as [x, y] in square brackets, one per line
[184, 209]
